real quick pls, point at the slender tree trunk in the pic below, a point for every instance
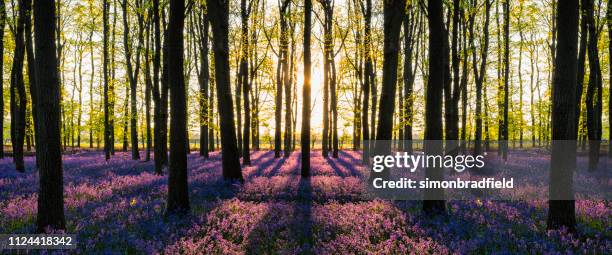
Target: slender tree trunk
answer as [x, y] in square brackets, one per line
[133, 71]
[594, 90]
[204, 82]
[561, 212]
[305, 139]
[368, 73]
[219, 11]
[479, 74]
[520, 76]
[393, 16]
[17, 87]
[609, 23]
[211, 118]
[51, 191]
[504, 142]
[2, 24]
[244, 80]
[160, 94]
[105, 63]
[31, 71]
[148, 88]
[434, 199]
[91, 81]
[178, 194]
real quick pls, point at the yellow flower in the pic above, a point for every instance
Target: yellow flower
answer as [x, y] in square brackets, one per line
[133, 202]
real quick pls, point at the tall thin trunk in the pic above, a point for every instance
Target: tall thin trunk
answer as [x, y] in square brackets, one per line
[434, 199]
[105, 63]
[160, 93]
[393, 16]
[91, 81]
[148, 88]
[479, 73]
[305, 139]
[133, 70]
[219, 10]
[2, 24]
[520, 75]
[17, 89]
[561, 212]
[368, 72]
[178, 194]
[31, 70]
[244, 80]
[609, 23]
[504, 142]
[594, 90]
[51, 192]
[204, 79]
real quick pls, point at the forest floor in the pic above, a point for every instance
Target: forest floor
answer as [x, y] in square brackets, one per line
[118, 206]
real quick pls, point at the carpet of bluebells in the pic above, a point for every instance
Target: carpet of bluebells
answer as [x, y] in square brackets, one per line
[118, 207]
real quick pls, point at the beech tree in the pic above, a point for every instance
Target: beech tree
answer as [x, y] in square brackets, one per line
[17, 89]
[561, 211]
[434, 198]
[51, 192]
[305, 132]
[219, 12]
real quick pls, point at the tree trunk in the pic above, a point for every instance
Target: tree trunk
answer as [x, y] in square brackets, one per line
[504, 142]
[51, 191]
[479, 74]
[609, 23]
[2, 23]
[204, 82]
[148, 88]
[393, 16]
[434, 199]
[594, 90]
[31, 70]
[219, 10]
[561, 212]
[105, 63]
[160, 94]
[368, 73]
[244, 80]
[178, 194]
[305, 139]
[17, 87]
[91, 81]
[133, 71]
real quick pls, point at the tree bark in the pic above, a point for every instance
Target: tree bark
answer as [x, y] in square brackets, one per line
[160, 95]
[105, 64]
[2, 24]
[219, 11]
[133, 71]
[17, 87]
[204, 84]
[594, 90]
[479, 73]
[393, 15]
[563, 155]
[244, 80]
[609, 23]
[31, 70]
[434, 199]
[178, 194]
[305, 139]
[51, 193]
[368, 73]
[504, 142]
